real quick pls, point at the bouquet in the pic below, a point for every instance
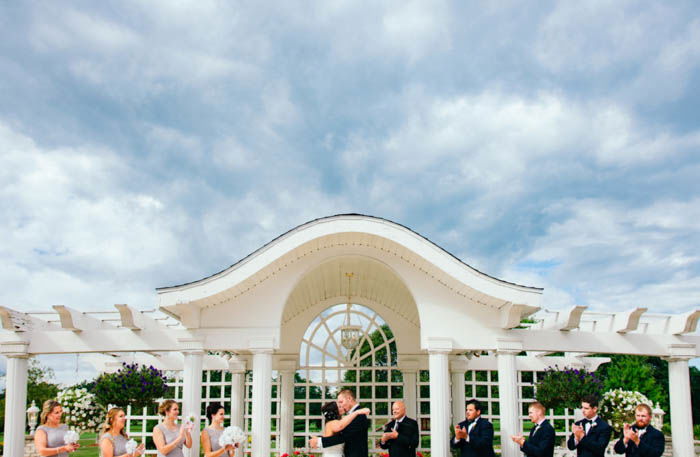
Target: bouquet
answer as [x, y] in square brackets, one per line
[189, 420]
[131, 446]
[71, 437]
[231, 436]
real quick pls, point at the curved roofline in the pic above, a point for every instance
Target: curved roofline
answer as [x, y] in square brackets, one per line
[336, 216]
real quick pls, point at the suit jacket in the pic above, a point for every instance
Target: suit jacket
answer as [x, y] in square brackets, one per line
[541, 441]
[595, 442]
[651, 444]
[407, 442]
[354, 436]
[480, 442]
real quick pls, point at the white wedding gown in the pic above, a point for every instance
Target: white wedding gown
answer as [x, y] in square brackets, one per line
[333, 451]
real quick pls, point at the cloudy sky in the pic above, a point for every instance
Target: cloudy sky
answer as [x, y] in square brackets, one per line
[150, 144]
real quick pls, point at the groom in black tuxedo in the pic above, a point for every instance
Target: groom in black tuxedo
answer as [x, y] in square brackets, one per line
[641, 439]
[400, 435]
[591, 435]
[354, 435]
[541, 440]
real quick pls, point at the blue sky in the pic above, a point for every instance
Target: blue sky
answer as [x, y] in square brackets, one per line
[150, 144]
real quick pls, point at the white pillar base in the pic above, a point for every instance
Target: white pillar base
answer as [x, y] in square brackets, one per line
[285, 443]
[192, 395]
[15, 404]
[262, 389]
[438, 361]
[508, 401]
[681, 415]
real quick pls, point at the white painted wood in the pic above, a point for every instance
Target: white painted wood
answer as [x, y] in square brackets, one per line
[262, 385]
[680, 401]
[15, 404]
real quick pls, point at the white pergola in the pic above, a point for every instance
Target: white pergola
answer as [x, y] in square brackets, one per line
[441, 311]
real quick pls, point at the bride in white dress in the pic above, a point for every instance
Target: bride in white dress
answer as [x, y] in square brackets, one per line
[335, 424]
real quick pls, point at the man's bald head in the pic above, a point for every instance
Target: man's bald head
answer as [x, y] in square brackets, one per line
[398, 409]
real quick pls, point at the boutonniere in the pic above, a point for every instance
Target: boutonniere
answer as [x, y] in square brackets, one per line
[593, 424]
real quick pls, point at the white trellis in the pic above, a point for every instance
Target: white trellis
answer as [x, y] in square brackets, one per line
[439, 309]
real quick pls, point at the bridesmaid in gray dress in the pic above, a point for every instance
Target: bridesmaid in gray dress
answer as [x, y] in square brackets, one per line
[48, 438]
[114, 438]
[210, 435]
[168, 436]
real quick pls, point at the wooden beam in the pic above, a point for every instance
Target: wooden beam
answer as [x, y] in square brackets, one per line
[684, 323]
[571, 319]
[627, 321]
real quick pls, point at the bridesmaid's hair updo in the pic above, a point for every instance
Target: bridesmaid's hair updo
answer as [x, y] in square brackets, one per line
[330, 411]
[165, 407]
[109, 422]
[212, 409]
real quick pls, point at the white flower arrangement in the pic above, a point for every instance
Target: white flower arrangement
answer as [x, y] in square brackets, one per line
[81, 410]
[131, 446]
[231, 435]
[617, 406]
[71, 437]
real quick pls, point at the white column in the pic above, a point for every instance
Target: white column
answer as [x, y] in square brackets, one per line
[15, 403]
[508, 396]
[438, 363]
[458, 367]
[237, 369]
[680, 402]
[286, 369]
[262, 389]
[409, 372]
[192, 394]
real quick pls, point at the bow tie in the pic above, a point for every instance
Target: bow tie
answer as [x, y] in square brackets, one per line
[637, 429]
[586, 421]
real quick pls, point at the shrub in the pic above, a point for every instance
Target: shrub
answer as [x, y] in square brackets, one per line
[617, 407]
[80, 410]
[565, 388]
[138, 386]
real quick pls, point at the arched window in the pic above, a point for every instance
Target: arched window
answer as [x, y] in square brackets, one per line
[326, 367]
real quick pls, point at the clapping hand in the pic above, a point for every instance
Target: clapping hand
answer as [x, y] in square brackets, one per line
[460, 432]
[518, 439]
[139, 450]
[579, 431]
[630, 434]
[72, 447]
[389, 436]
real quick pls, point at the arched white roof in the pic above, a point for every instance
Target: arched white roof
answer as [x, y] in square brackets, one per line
[350, 229]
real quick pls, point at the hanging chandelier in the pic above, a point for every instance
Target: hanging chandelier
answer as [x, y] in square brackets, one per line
[349, 334]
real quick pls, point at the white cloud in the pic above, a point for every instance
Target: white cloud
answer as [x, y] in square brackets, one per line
[616, 257]
[74, 226]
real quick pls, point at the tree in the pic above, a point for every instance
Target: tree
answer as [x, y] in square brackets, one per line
[638, 373]
[40, 385]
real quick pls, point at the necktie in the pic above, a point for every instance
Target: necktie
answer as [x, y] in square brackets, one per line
[534, 430]
[396, 426]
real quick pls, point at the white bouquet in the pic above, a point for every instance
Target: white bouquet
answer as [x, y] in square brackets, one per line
[131, 446]
[71, 437]
[189, 420]
[231, 435]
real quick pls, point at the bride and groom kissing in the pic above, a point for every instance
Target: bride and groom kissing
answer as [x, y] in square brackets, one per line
[344, 436]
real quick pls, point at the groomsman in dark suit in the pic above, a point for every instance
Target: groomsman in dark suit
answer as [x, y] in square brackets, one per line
[591, 435]
[541, 440]
[641, 439]
[401, 434]
[474, 436]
